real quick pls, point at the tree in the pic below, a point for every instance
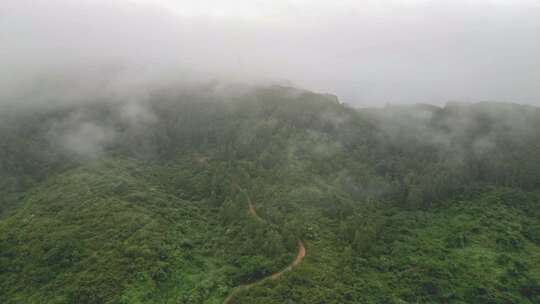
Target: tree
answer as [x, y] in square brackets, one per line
[274, 244]
[415, 198]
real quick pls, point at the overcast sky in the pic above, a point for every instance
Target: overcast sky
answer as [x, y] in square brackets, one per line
[368, 52]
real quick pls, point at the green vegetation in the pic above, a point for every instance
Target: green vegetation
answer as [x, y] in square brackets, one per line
[109, 202]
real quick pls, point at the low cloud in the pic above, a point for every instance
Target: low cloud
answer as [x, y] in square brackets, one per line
[83, 140]
[368, 52]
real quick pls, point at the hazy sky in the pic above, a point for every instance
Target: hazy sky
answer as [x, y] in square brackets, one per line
[368, 52]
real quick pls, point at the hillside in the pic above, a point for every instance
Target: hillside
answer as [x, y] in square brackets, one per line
[113, 201]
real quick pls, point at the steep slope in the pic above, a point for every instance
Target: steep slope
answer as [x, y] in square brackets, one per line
[135, 202]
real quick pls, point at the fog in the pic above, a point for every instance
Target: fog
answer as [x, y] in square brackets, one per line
[369, 53]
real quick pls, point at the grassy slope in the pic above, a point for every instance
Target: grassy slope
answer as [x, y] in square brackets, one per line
[106, 232]
[474, 251]
[122, 231]
[126, 231]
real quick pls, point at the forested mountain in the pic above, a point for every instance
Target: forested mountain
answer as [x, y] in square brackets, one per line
[147, 200]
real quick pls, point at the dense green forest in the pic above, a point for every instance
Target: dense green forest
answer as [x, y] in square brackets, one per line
[146, 201]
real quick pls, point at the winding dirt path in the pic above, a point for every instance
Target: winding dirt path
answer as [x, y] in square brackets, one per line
[252, 210]
[297, 260]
